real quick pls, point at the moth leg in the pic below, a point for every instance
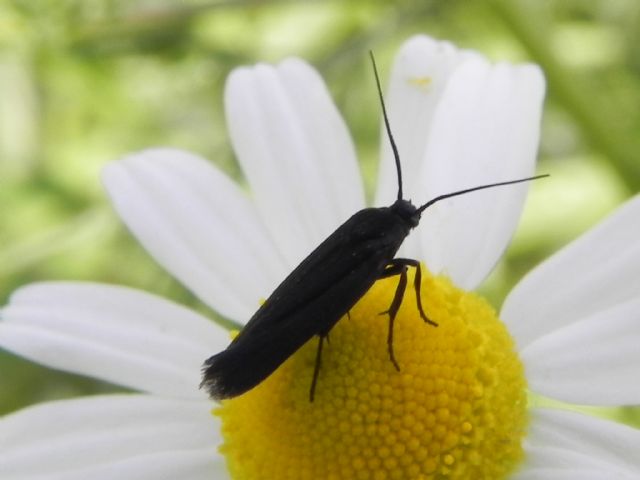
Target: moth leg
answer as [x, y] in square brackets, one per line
[396, 269]
[316, 369]
[392, 270]
[417, 281]
[410, 262]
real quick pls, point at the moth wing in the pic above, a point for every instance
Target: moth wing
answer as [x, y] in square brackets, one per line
[251, 358]
[363, 238]
[313, 297]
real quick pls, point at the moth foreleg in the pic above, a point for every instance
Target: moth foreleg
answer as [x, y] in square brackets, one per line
[391, 270]
[417, 281]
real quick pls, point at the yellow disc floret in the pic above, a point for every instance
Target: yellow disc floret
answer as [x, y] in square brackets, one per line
[455, 410]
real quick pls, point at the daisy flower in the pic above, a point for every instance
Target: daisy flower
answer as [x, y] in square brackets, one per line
[458, 407]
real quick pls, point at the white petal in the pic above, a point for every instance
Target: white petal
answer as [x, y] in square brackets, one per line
[593, 274]
[561, 473]
[295, 151]
[592, 361]
[562, 440]
[129, 437]
[198, 225]
[118, 334]
[191, 464]
[421, 70]
[485, 130]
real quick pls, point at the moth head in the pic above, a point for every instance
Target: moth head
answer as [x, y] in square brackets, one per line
[407, 211]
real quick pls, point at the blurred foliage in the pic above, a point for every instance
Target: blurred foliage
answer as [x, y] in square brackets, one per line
[85, 82]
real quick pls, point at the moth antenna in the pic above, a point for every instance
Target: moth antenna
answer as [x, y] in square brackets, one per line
[481, 187]
[386, 124]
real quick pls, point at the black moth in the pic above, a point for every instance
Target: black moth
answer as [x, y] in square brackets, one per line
[323, 288]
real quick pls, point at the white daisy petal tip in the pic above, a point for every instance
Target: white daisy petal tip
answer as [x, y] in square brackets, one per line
[496, 110]
[295, 151]
[424, 52]
[111, 436]
[532, 78]
[121, 335]
[177, 205]
[421, 69]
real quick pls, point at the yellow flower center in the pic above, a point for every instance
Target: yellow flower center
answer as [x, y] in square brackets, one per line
[455, 410]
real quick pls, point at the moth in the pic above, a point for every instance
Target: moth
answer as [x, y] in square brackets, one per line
[324, 287]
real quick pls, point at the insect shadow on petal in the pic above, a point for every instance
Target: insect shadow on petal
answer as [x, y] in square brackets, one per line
[325, 286]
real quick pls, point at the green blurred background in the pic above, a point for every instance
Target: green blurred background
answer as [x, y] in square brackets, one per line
[84, 82]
